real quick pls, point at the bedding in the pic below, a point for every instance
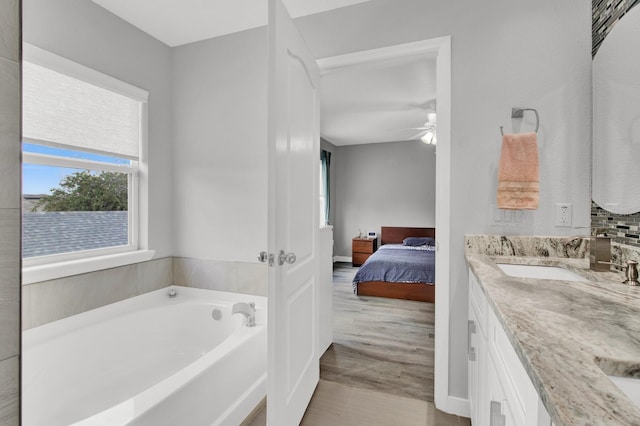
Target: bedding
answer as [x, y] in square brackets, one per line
[398, 263]
[418, 241]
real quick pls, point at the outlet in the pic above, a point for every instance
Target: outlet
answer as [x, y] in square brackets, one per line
[564, 213]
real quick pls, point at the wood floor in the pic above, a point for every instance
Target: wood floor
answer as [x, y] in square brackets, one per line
[379, 369]
[378, 343]
[335, 404]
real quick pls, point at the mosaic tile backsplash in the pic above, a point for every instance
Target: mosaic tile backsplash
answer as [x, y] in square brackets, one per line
[624, 229]
[604, 15]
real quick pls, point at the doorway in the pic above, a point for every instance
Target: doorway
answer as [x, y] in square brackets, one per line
[441, 49]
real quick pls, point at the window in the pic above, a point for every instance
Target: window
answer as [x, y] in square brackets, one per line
[83, 133]
[323, 206]
[325, 194]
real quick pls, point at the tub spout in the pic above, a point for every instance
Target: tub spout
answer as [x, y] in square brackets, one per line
[246, 309]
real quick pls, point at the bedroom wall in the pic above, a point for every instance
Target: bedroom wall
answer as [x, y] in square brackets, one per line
[382, 184]
[220, 160]
[504, 54]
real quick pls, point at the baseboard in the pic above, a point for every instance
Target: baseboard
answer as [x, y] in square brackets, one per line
[457, 406]
[342, 259]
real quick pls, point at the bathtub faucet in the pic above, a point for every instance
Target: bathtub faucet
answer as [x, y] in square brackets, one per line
[246, 309]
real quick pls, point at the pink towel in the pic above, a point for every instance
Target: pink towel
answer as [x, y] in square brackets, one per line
[518, 173]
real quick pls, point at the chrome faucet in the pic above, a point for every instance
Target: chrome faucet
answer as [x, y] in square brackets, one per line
[631, 273]
[600, 253]
[246, 309]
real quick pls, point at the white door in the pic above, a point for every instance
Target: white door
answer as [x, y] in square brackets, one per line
[294, 157]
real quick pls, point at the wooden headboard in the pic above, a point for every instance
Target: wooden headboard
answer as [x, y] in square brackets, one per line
[395, 234]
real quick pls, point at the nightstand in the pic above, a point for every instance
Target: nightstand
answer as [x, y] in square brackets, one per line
[361, 249]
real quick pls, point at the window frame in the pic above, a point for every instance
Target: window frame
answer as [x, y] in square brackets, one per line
[40, 268]
[132, 203]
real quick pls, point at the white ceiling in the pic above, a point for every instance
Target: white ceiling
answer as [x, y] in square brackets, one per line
[176, 22]
[366, 103]
[375, 101]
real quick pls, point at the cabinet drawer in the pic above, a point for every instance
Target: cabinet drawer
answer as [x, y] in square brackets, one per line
[359, 258]
[362, 246]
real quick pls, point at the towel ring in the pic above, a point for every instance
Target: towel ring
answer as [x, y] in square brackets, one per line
[519, 113]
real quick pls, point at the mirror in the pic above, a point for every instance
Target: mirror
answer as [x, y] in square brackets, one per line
[616, 118]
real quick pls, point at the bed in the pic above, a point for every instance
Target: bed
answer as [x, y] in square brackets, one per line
[399, 272]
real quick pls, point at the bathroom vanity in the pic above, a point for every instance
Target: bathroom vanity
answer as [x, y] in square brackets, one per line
[500, 392]
[542, 351]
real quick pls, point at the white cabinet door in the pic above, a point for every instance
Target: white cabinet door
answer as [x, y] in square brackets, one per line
[500, 391]
[499, 411]
[476, 352]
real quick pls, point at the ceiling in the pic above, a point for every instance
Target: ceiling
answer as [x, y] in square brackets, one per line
[377, 101]
[366, 103]
[176, 22]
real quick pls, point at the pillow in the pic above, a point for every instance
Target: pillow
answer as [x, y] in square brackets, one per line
[417, 241]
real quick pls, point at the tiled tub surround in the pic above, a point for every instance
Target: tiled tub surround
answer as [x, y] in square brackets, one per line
[236, 277]
[48, 301]
[10, 41]
[564, 332]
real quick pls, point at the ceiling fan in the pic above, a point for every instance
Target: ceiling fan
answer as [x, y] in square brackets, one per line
[427, 132]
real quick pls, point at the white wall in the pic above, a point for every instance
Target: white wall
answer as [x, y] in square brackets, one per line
[82, 31]
[220, 155]
[504, 54]
[382, 184]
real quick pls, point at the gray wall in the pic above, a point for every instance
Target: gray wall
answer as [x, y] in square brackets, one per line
[220, 156]
[10, 200]
[382, 184]
[84, 32]
[504, 54]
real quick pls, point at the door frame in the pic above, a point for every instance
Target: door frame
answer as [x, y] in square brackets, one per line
[440, 48]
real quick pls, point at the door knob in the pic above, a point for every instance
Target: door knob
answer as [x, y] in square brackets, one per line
[263, 257]
[288, 257]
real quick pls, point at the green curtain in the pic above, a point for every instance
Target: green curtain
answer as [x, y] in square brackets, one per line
[325, 159]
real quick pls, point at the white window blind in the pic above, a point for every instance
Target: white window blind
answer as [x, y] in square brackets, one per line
[60, 109]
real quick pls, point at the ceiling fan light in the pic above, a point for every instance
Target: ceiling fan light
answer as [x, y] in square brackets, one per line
[427, 138]
[431, 117]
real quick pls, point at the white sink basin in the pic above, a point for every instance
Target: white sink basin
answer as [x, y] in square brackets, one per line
[630, 386]
[539, 272]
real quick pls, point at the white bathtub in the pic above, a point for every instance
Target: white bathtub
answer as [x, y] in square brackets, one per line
[149, 360]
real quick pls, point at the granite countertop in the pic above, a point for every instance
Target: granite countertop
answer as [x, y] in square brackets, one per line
[566, 333]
